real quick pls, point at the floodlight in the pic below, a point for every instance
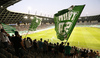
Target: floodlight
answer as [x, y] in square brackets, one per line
[79, 18]
[1, 6]
[31, 17]
[25, 17]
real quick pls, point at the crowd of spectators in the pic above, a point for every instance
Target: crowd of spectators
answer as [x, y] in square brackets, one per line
[26, 27]
[16, 47]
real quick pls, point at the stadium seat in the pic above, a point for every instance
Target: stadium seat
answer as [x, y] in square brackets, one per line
[2, 56]
[15, 56]
[6, 53]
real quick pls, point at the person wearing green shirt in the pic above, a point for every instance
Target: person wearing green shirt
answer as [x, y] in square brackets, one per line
[67, 51]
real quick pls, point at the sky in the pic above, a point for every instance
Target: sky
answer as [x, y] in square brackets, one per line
[50, 7]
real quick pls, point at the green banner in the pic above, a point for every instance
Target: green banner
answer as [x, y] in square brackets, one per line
[65, 21]
[34, 24]
[8, 29]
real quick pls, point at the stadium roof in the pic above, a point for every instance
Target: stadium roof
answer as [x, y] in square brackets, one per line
[9, 17]
[6, 3]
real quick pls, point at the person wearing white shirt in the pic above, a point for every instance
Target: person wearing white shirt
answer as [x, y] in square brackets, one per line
[4, 38]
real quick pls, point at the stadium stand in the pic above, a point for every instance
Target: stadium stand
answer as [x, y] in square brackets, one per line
[9, 17]
[89, 20]
[25, 27]
[53, 53]
[20, 23]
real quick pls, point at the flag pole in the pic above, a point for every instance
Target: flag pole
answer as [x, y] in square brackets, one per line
[27, 33]
[28, 18]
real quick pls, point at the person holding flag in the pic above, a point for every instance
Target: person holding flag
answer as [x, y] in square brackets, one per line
[18, 45]
[4, 38]
[67, 50]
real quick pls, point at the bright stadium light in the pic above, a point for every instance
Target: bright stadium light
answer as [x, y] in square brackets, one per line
[1, 6]
[25, 17]
[41, 19]
[47, 19]
[79, 17]
[31, 17]
[29, 9]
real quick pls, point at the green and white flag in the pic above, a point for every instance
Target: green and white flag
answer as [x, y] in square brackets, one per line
[65, 21]
[34, 24]
[8, 29]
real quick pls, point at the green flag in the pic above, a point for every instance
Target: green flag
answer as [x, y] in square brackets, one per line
[65, 21]
[8, 29]
[34, 24]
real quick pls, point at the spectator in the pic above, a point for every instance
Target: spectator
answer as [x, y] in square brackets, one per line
[17, 44]
[87, 53]
[40, 44]
[45, 47]
[50, 47]
[76, 51]
[30, 40]
[97, 54]
[11, 38]
[72, 52]
[83, 53]
[61, 49]
[4, 38]
[35, 44]
[91, 54]
[67, 51]
[57, 48]
[28, 43]
[54, 49]
[24, 42]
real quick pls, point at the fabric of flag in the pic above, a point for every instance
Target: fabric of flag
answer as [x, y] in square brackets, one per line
[65, 21]
[8, 29]
[34, 24]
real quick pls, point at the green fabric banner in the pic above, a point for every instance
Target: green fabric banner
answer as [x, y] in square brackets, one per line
[34, 24]
[8, 29]
[65, 21]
